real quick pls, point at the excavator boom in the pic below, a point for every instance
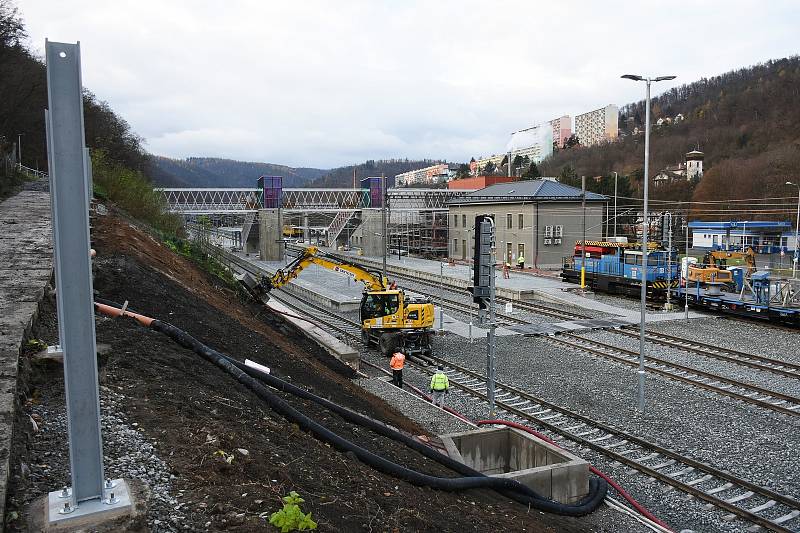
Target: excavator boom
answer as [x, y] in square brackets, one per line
[372, 281]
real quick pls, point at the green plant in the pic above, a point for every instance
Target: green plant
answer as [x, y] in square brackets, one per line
[291, 518]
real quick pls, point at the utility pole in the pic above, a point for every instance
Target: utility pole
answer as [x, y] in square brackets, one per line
[615, 203]
[19, 147]
[441, 296]
[384, 198]
[583, 241]
[796, 233]
[669, 262]
[686, 277]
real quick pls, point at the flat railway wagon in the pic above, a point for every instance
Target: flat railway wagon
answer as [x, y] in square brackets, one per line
[776, 301]
[616, 268]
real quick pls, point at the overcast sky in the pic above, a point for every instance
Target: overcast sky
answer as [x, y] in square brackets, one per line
[329, 83]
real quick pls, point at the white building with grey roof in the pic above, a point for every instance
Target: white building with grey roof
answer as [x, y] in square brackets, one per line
[538, 219]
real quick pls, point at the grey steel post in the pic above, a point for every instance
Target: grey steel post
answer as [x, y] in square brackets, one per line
[441, 297]
[615, 204]
[70, 200]
[669, 263]
[796, 254]
[490, 336]
[686, 278]
[19, 148]
[384, 198]
[583, 238]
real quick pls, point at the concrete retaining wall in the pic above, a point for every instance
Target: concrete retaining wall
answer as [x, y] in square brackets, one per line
[26, 266]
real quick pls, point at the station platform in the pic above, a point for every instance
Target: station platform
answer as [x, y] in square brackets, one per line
[520, 286]
[324, 287]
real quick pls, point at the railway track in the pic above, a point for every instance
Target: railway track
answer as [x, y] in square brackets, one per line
[738, 497]
[768, 399]
[767, 364]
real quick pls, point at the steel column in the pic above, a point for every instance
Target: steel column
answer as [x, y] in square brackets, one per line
[69, 185]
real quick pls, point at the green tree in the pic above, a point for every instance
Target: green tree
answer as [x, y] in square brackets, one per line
[490, 168]
[532, 172]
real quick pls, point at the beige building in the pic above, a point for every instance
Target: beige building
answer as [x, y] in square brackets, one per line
[538, 219]
[600, 125]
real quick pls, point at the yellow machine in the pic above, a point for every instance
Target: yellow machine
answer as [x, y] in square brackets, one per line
[713, 266]
[290, 231]
[390, 318]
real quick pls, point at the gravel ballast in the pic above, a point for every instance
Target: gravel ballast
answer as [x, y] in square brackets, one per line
[752, 443]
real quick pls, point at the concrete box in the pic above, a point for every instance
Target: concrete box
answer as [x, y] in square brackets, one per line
[508, 452]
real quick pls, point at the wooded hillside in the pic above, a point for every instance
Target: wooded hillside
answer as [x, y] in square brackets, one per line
[745, 121]
[217, 172]
[23, 99]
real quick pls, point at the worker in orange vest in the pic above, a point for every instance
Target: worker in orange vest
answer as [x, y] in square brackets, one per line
[397, 362]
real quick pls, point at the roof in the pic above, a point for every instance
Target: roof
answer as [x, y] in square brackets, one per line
[527, 191]
[740, 224]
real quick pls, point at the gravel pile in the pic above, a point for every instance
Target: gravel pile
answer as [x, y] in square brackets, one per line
[755, 444]
[754, 376]
[126, 454]
[746, 336]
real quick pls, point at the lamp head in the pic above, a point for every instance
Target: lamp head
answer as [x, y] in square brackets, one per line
[665, 78]
[791, 183]
[634, 77]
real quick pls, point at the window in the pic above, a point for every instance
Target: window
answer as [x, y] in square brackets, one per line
[455, 221]
[509, 221]
[375, 305]
[464, 220]
[633, 259]
[521, 221]
[508, 252]
[520, 251]
[455, 245]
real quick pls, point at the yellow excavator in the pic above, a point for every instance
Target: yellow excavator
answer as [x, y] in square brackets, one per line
[713, 266]
[390, 318]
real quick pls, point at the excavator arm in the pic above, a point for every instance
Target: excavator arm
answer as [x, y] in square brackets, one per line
[372, 280]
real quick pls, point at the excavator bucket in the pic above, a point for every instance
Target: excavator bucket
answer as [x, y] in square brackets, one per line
[259, 290]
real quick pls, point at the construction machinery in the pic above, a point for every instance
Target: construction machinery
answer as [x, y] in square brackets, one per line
[713, 268]
[390, 318]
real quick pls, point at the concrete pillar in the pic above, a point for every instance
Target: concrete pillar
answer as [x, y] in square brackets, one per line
[306, 231]
[372, 226]
[270, 235]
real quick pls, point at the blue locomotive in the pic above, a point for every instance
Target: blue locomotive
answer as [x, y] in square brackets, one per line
[616, 267]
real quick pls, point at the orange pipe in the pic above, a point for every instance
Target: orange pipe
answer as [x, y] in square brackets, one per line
[114, 312]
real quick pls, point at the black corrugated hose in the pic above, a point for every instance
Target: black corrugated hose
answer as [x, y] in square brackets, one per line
[473, 479]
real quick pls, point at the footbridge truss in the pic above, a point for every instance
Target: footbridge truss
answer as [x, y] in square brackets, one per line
[246, 200]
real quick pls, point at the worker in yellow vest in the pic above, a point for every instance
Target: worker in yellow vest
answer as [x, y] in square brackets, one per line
[520, 262]
[440, 386]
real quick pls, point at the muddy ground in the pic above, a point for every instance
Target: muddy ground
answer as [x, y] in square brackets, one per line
[189, 411]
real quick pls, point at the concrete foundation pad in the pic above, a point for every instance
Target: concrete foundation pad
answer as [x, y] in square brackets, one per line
[130, 514]
[510, 453]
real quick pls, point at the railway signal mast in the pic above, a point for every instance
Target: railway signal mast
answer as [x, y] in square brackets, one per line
[483, 293]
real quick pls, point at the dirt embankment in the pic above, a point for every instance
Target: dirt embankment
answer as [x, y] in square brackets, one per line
[191, 411]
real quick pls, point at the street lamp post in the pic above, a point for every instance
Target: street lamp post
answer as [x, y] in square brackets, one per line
[648, 81]
[796, 233]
